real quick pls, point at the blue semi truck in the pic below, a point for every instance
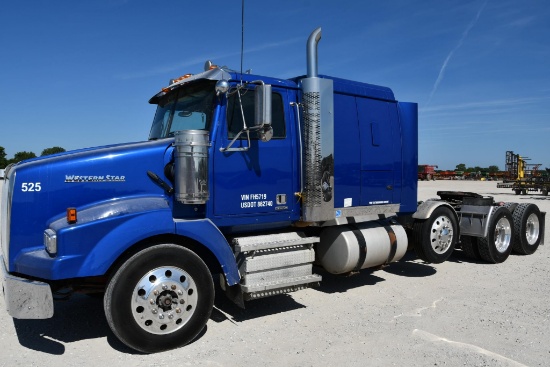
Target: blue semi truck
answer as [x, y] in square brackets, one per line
[251, 181]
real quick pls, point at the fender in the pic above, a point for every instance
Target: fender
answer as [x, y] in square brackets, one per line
[426, 208]
[206, 233]
[150, 224]
[104, 231]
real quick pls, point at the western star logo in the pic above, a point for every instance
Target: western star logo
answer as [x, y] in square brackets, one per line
[106, 178]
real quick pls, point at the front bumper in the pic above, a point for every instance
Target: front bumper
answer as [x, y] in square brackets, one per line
[26, 299]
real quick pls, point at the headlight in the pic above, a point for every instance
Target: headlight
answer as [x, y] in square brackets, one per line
[50, 241]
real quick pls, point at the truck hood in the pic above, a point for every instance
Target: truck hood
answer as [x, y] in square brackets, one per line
[42, 189]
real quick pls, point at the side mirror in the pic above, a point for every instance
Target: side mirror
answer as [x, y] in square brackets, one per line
[262, 99]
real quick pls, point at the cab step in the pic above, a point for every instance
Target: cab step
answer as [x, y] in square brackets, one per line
[275, 264]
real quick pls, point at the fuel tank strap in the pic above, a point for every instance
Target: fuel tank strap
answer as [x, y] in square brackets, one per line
[361, 241]
[393, 239]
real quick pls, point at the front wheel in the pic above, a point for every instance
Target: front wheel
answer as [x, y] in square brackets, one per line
[496, 247]
[435, 238]
[159, 299]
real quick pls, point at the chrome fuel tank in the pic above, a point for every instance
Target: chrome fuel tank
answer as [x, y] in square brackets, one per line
[363, 245]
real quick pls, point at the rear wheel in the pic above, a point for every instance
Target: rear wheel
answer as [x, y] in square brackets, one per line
[510, 206]
[159, 299]
[527, 226]
[496, 247]
[435, 238]
[469, 247]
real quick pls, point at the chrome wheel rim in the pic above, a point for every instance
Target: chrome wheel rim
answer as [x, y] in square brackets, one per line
[164, 300]
[532, 228]
[441, 234]
[503, 235]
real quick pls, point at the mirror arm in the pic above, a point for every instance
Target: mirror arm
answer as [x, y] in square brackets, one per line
[245, 129]
[243, 149]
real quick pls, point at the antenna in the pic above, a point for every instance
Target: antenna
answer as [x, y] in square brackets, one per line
[242, 39]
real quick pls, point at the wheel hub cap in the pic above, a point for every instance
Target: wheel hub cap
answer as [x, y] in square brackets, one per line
[503, 232]
[441, 235]
[532, 229]
[164, 300]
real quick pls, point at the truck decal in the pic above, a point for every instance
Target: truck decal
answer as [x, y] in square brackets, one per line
[255, 201]
[106, 178]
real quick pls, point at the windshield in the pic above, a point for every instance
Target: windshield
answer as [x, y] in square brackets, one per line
[189, 107]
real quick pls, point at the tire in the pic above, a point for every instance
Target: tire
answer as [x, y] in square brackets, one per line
[496, 247]
[159, 299]
[544, 192]
[435, 238]
[510, 206]
[469, 247]
[517, 191]
[527, 229]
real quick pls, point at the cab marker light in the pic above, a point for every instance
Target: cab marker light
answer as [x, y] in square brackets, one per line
[71, 215]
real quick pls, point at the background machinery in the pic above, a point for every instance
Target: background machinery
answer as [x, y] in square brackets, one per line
[524, 177]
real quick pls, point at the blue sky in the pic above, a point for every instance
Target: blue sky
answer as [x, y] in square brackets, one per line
[79, 73]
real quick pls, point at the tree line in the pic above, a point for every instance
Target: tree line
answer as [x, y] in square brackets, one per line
[462, 167]
[20, 156]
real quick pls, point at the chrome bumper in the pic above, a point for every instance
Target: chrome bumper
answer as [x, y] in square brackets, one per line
[26, 299]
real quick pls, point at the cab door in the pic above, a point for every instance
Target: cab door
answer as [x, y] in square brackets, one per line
[256, 185]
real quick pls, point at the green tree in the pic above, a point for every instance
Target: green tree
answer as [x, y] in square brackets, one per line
[493, 169]
[461, 167]
[21, 156]
[3, 160]
[52, 150]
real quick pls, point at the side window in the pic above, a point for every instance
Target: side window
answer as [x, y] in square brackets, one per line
[235, 120]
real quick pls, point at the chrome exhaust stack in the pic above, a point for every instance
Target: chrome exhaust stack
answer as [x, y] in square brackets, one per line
[312, 43]
[318, 139]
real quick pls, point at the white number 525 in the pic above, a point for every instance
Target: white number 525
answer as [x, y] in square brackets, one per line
[30, 186]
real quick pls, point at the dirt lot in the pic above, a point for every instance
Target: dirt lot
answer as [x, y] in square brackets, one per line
[459, 313]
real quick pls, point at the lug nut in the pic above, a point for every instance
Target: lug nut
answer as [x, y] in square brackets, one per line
[182, 301]
[173, 287]
[156, 293]
[178, 310]
[154, 311]
[161, 316]
[152, 301]
[164, 287]
[170, 316]
[180, 292]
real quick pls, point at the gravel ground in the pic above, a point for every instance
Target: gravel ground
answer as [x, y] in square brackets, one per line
[459, 313]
